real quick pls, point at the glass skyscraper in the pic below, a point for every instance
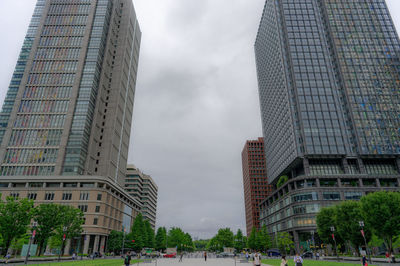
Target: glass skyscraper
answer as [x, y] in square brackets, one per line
[329, 87]
[69, 106]
[66, 120]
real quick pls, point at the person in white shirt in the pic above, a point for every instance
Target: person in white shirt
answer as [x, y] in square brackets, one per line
[257, 261]
[298, 261]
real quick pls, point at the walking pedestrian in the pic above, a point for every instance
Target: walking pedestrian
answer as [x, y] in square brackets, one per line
[284, 261]
[205, 256]
[257, 261]
[181, 257]
[8, 256]
[317, 255]
[247, 255]
[298, 260]
[364, 261]
[127, 260]
[387, 255]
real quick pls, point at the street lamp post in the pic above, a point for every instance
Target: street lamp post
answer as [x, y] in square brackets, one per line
[34, 224]
[334, 240]
[313, 241]
[361, 223]
[123, 239]
[62, 245]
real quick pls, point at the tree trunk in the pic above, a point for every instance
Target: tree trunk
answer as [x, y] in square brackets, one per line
[8, 244]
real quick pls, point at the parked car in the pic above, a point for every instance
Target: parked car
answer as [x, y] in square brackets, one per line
[308, 254]
[273, 253]
[170, 255]
[225, 255]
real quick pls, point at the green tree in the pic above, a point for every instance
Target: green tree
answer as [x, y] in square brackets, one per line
[161, 239]
[213, 245]
[114, 243]
[326, 218]
[71, 219]
[252, 240]
[15, 216]
[188, 242]
[240, 242]
[348, 215]
[263, 239]
[149, 235]
[282, 180]
[176, 238]
[285, 242]
[136, 238]
[225, 237]
[201, 244]
[48, 218]
[381, 211]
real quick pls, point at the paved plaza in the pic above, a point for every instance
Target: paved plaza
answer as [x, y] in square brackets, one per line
[198, 262]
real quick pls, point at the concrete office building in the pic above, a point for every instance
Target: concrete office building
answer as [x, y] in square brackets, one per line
[68, 110]
[142, 187]
[255, 181]
[328, 74]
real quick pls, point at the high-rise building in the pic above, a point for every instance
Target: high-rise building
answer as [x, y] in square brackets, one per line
[67, 116]
[255, 181]
[142, 187]
[329, 77]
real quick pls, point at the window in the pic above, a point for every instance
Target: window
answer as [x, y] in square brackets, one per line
[84, 196]
[99, 196]
[97, 209]
[32, 196]
[35, 184]
[352, 195]
[83, 208]
[305, 197]
[67, 196]
[95, 220]
[70, 184]
[49, 196]
[331, 195]
[15, 195]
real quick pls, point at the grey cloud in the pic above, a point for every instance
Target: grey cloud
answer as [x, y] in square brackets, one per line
[196, 102]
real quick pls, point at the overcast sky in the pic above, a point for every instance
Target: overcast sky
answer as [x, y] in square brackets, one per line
[196, 102]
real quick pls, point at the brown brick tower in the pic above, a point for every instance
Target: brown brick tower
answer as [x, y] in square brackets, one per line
[255, 181]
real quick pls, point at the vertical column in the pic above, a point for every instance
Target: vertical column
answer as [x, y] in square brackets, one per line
[361, 166]
[102, 243]
[296, 241]
[306, 166]
[67, 247]
[96, 243]
[86, 244]
[345, 166]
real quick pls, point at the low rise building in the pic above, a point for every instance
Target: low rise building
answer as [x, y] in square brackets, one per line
[143, 188]
[105, 204]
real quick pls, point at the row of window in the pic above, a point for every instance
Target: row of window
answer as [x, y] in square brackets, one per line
[39, 121]
[30, 156]
[35, 138]
[60, 41]
[69, 9]
[43, 106]
[67, 20]
[51, 79]
[47, 92]
[57, 53]
[26, 170]
[63, 31]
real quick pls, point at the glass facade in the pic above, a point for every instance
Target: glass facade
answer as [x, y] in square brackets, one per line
[78, 142]
[20, 68]
[329, 78]
[368, 51]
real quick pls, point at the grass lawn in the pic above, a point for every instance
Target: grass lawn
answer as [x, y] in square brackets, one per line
[310, 263]
[97, 262]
